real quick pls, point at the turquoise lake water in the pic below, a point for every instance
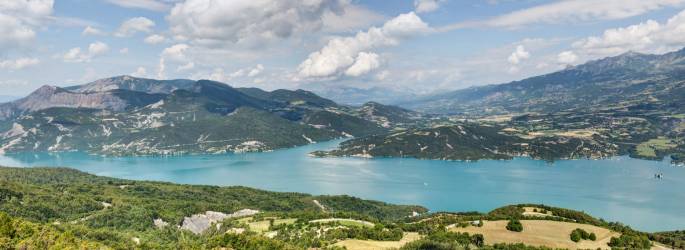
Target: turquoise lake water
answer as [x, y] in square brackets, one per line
[617, 189]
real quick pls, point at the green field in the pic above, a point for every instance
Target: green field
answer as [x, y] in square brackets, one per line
[649, 148]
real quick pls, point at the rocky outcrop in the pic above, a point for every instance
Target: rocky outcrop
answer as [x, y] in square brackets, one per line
[199, 223]
[133, 84]
[53, 97]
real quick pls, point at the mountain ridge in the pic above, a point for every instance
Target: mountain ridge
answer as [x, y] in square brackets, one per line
[630, 76]
[199, 117]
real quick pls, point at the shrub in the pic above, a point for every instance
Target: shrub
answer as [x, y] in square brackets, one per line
[593, 237]
[580, 234]
[514, 225]
[575, 236]
[630, 242]
[6, 227]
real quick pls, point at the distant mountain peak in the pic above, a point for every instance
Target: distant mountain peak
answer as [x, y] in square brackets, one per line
[46, 90]
[127, 82]
[602, 82]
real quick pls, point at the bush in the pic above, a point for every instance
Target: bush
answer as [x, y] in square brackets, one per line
[580, 234]
[593, 237]
[630, 242]
[6, 227]
[575, 236]
[514, 225]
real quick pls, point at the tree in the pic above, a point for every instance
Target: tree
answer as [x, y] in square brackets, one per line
[6, 228]
[478, 240]
[514, 225]
[592, 237]
[575, 236]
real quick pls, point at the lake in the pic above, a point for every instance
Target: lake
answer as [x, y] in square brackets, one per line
[617, 189]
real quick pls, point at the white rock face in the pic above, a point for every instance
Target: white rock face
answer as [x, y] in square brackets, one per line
[198, 223]
[17, 129]
[159, 223]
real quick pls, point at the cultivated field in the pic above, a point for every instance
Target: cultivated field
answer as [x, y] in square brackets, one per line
[378, 245]
[648, 148]
[345, 222]
[552, 234]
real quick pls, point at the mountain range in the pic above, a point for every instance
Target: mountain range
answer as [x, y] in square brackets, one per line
[135, 116]
[624, 80]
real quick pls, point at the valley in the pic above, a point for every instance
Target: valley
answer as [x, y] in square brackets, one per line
[631, 104]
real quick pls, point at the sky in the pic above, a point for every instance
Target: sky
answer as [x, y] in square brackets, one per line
[414, 46]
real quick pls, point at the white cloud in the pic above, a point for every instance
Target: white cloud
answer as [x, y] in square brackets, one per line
[142, 4]
[161, 69]
[19, 18]
[364, 63]
[219, 74]
[18, 64]
[572, 11]
[647, 37]
[97, 48]
[256, 70]
[352, 19]
[123, 51]
[94, 49]
[89, 30]
[518, 55]
[176, 52]
[247, 21]
[187, 66]
[135, 25]
[567, 57]
[342, 53]
[424, 6]
[154, 39]
[140, 72]
[581, 10]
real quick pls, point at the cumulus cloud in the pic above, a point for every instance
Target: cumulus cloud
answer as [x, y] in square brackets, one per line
[154, 39]
[219, 74]
[567, 57]
[187, 66]
[646, 37]
[135, 25]
[142, 4]
[518, 55]
[90, 31]
[19, 63]
[140, 72]
[424, 6]
[19, 18]
[363, 64]
[174, 54]
[255, 71]
[77, 55]
[352, 19]
[247, 21]
[342, 53]
[123, 51]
